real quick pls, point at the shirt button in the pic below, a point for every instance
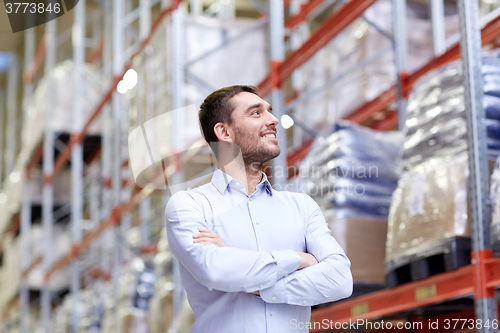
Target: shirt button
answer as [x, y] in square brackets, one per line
[271, 313]
[237, 184]
[264, 250]
[250, 198]
[304, 302]
[274, 298]
[257, 222]
[260, 287]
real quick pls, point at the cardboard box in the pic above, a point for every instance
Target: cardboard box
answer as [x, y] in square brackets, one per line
[363, 240]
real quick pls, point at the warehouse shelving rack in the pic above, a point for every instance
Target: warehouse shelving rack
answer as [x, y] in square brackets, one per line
[479, 278]
[48, 48]
[111, 155]
[281, 69]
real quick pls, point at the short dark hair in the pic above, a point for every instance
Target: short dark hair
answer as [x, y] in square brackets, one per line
[217, 108]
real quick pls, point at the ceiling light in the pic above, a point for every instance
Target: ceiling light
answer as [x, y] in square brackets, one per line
[286, 121]
[15, 177]
[121, 87]
[130, 78]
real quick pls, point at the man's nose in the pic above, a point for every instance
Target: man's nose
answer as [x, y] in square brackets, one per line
[272, 120]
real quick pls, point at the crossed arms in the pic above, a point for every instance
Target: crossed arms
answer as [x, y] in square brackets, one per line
[207, 237]
[285, 276]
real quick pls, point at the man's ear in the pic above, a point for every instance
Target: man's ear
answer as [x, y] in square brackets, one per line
[222, 132]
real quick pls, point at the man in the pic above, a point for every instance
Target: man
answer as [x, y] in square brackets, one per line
[252, 259]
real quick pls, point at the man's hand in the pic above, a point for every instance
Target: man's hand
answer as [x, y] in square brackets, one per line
[306, 260]
[208, 237]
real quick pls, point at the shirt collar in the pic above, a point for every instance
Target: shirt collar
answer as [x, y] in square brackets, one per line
[221, 181]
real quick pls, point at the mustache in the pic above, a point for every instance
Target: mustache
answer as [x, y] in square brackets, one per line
[273, 128]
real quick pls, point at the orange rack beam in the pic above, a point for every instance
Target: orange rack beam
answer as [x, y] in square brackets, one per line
[305, 9]
[436, 289]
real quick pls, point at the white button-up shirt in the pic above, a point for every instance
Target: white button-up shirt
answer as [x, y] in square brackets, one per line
[261, 233]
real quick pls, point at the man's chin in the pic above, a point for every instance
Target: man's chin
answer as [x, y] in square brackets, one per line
[273, 155]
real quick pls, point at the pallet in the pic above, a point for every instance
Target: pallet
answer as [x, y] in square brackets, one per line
[495, 247]
[451, 254]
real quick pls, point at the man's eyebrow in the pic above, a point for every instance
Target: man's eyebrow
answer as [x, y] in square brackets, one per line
[257, 106]
[254, 106]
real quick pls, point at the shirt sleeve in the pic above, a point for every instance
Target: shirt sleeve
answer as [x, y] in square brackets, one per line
[327, 281]
[227, 269]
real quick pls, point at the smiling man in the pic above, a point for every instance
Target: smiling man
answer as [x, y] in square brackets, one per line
[252, 259]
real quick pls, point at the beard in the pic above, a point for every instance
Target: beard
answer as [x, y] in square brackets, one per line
[253, 149]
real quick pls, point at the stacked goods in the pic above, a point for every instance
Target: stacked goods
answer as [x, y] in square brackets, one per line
[10, 275]
[60, 122]
[429, 213]
[97, 308]
[135, 292]
[352, 173]
[160, 311]
[90, 309]
[338, 63]
[495, 199]
[436, 124]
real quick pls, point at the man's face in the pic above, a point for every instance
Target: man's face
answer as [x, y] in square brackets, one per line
[253, 128]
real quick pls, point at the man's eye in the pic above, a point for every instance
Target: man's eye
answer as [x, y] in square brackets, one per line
[255, 112]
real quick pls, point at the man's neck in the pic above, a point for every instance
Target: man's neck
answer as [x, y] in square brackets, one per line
[254, 176]
[249, 175]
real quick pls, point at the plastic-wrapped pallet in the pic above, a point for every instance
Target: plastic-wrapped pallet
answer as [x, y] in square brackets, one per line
[495, 198]
[242, 61]
[429, 213]
[136, 286]
[33, 128]
[352, 173]
[61, 246]
[11, 272]
[89, 310]
[61, 119]
[160, 312]
[436, 124]
[429, 208]
[351, 46]
[353, 168]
